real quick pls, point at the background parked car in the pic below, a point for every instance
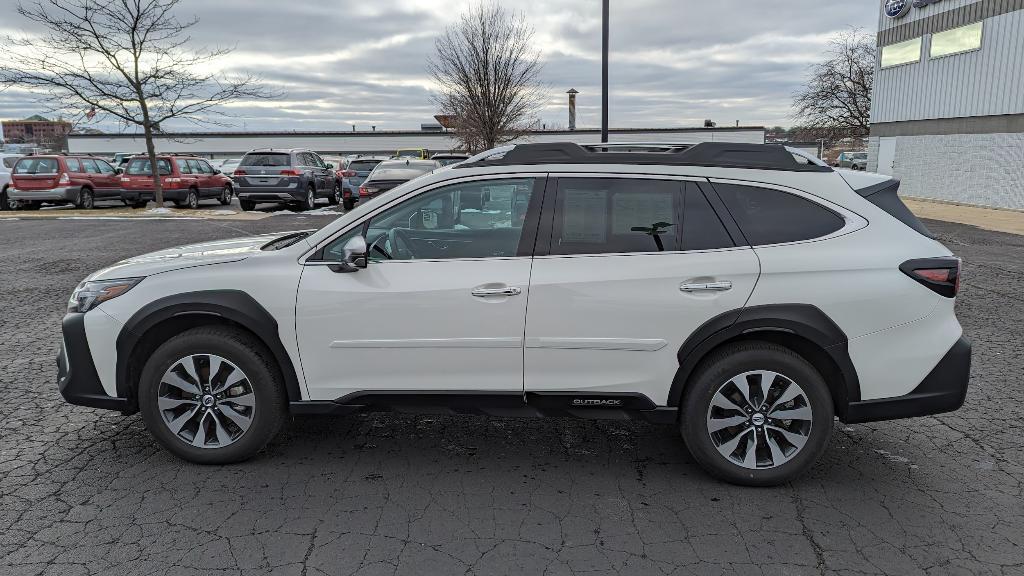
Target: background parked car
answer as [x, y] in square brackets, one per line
[229, 166]
[185, 180]
[121, 158]
[353, 176]
[78, 180]
[392, 173]
[412, 153]
[853, 160]
[449, 159]
[7, 162]
[296, 176]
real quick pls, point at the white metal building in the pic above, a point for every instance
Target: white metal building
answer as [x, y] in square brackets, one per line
[947, 115]
[234, 144]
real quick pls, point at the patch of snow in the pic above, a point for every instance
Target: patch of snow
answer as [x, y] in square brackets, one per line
[158, 211]
[127, 218]
[222, 212]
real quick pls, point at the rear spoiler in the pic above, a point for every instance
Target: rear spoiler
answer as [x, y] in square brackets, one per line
[885, 195]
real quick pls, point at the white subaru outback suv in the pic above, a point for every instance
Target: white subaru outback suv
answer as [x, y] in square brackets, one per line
[744, 293]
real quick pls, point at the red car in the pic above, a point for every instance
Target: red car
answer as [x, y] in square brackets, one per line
[185, 180]
[78, 180]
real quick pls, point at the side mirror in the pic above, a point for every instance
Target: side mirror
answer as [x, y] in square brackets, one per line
[118, 170]
[355, 257]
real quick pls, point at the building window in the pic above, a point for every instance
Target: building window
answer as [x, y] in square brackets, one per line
[902, 53]
[957, 40]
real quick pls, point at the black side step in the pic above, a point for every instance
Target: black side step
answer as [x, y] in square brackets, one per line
[609, 406]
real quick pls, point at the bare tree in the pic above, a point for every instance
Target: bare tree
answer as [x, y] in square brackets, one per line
[487, 72]
[120, 59]
[837, 100]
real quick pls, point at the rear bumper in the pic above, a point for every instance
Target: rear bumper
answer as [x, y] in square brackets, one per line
[270, 194]
[944, 389]
[133, 196]
[68, 194]
[77, 378]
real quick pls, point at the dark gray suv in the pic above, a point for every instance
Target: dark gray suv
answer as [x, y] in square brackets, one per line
[296, 176]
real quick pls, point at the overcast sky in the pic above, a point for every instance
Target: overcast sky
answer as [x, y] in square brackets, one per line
[341, 63]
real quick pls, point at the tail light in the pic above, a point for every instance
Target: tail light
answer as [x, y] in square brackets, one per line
[172, 183]
[348, 173]
[239, 173]
[64, 180]
[291, 172]
[346, 194]
[941, 275]
[363, 191]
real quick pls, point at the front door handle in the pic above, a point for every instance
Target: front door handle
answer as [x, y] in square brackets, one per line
[707, 287]
[506, 291]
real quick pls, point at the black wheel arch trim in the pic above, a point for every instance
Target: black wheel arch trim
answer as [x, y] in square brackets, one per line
[233, 305]
[803, 320]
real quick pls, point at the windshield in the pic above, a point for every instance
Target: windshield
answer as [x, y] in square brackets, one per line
[266, 159]
[142, 167]
[37, 166]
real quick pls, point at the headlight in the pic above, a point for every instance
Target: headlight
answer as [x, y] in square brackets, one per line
[89, 295]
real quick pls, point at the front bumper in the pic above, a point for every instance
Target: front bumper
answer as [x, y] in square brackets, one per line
[944, 389]
[66, 194]
[77, 379]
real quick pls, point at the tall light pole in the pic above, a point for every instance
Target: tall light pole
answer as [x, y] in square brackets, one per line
[604, 72]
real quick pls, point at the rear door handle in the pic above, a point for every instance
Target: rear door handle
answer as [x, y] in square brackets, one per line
[707, 287]
[507, 291]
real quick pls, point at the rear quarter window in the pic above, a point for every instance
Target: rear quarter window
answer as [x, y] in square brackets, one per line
[768, 216]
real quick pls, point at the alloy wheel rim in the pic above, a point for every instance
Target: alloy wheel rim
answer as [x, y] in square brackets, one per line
[193, 200]
[206, 401]
[310, 198]
[759, 419]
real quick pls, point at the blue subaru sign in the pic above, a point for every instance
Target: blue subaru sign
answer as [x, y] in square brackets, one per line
[897, 8]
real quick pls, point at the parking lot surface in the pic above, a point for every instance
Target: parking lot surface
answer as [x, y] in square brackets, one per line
[89, 492]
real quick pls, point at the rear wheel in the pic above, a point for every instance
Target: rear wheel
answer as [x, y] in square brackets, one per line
[192, 200]
[225, 196]
[86, 201]
[246, 205]
[348, 203]
[210, 396]
[309, 202]
[6, 203]
[335, 198]
[757, 414]
[139, 204]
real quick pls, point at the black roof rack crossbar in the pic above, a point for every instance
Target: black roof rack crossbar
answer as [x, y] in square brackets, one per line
[710, 154]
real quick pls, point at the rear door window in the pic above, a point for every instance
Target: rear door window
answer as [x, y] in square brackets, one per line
[30, 166]
[74, 166]
[195, 167]
[768, 216]
[90, 166]
[266, 159]
[702, 228]
[616, 216]
[105, 168]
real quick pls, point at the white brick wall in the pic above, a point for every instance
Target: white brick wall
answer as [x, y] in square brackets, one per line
[980, 169]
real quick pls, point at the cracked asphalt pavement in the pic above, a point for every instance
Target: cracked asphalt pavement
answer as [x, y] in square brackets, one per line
[86, 491]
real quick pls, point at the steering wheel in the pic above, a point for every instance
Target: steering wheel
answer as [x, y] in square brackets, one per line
[376, 247]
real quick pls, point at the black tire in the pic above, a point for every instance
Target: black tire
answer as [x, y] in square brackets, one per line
[192, 200]
[86, 200]
[5, 203]
[31, 205]
[139, 204]
[246, 205]
[737, 359]
[244, 351]
[335, 198]
[348, 203]
[225, 196]
[309, 202]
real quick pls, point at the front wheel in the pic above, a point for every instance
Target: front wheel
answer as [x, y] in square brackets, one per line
[211, 396]
[757, 414]
[348, 203]
[225, 196]
[246, 205]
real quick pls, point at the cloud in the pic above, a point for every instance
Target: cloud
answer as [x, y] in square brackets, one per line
[363, 62]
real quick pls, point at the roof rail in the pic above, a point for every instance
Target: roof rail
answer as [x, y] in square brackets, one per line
[711, 154]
